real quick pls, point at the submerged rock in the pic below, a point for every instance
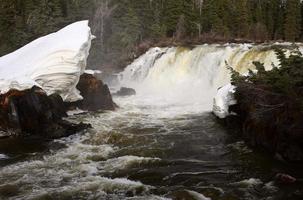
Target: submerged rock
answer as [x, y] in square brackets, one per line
[32, 112]
[126, 92]
[96, 94]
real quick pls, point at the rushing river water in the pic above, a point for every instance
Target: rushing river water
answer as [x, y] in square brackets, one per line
[144, 150]
[163, 143]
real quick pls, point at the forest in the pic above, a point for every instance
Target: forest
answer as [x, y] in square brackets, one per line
[126, 28]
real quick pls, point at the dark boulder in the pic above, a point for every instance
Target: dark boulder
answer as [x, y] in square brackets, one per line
[126, 92]
[32, 113]
[96, 95]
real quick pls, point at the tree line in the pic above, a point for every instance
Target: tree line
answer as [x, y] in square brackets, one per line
[123, 25]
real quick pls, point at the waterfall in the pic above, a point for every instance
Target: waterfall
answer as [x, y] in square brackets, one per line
[182, 75]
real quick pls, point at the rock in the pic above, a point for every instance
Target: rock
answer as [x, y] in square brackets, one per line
[126, 92]
[285, 179]
[96, 95]
[278, 130]
[32, 113]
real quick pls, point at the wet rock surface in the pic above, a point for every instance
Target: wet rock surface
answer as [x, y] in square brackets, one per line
[124, 91]
[278, 131]
[32, 113]
[96, 95]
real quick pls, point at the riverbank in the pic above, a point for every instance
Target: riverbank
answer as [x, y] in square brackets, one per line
[269, 107]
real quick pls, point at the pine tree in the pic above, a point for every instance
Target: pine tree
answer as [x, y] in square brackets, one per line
[7, 24]
[242, 20]
[292, 26]
[172, 11]
[157, 29]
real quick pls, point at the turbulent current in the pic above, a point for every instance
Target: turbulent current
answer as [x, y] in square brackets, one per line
[163, 143]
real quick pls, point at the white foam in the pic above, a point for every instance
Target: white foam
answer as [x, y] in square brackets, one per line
[126, 162]
[248, 182]
[197, 196]
[3, 157]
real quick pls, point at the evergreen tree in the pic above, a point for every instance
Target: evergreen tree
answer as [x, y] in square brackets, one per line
[136, 21]
[292, 25]
[241, 20]
[172, 11]
[7, 24]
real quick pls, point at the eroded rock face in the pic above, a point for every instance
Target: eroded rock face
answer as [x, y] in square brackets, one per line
[32, 112]
[96, 95]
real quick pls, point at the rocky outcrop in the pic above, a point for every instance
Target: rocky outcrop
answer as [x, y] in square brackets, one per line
[96, 95]
[32, 112]
[125, 92]
[266, 120]
[270, 124]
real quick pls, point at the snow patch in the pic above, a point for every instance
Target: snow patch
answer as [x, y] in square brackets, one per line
[53, 62]
[224, 99]
[92, 72]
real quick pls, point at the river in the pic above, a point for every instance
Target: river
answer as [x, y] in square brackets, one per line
[163, 143]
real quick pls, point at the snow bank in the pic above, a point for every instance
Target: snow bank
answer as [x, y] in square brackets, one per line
[53, 62]
[222, 101]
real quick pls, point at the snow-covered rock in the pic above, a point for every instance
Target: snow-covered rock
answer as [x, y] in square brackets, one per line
[53, 62]
[222, 101]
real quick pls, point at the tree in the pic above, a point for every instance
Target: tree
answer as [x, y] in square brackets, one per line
[292, 26]
[172, 11]
[241, 20]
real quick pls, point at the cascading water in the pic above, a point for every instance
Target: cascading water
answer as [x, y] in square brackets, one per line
[192, 76]
[160, 144]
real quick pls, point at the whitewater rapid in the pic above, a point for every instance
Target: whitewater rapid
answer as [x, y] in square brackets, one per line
[158, 145]
[192, 76]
